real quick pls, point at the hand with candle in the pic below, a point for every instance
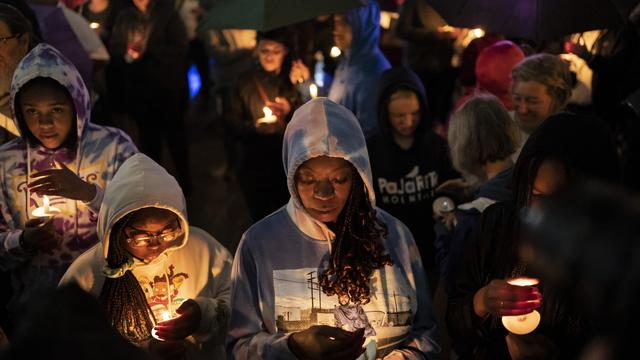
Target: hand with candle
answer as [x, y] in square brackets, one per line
[299, 72]
[280, 107]
[182, 326]
[62, 182]
[326, 342]
[39, 235]
[503, 299]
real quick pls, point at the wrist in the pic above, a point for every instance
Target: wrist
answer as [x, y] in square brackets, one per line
[89, 192]
[479, 307]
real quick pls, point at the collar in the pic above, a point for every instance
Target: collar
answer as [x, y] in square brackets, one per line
[311, 227]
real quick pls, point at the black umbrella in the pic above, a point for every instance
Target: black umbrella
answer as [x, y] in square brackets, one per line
[270, 14]
[534, 19]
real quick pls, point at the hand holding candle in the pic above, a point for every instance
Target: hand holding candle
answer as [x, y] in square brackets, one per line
[526, 323]
[181, 326]
[500, 298]
[326, 342]
[40, 235]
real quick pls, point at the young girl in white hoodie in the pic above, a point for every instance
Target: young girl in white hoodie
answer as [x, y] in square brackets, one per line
[157, 276]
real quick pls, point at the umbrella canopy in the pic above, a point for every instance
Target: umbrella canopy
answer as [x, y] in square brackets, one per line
[270, 14]
[534, 19]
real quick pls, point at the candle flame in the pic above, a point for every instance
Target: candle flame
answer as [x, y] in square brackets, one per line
[267, 112]
[478, 32]
[313, 90]
[94, 25]
[335, 52]
[166, 316]
[46, 201]
[523, 281]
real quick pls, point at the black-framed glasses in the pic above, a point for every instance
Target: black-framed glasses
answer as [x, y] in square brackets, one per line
[141, 238]
[4, 39]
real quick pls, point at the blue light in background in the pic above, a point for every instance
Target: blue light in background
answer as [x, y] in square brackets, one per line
[194, 81]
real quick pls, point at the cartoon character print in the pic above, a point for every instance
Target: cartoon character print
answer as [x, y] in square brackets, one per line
[163, 289]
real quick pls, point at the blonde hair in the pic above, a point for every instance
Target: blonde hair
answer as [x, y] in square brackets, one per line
[550, 71]
[481, 131]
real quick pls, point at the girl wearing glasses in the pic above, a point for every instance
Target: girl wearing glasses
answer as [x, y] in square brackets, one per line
[164, 284]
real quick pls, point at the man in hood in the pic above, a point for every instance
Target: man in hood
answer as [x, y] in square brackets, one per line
[60, 154]
[327, 248]
[151, 263]
[357, 34]
[408, 160]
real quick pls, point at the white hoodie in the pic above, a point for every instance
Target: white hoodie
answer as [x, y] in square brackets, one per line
[198, 269]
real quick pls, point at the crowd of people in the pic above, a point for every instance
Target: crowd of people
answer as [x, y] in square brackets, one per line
[406, 215]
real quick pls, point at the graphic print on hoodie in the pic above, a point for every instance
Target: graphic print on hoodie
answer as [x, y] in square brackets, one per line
[98, 154]
[198, 268]
[275, 290]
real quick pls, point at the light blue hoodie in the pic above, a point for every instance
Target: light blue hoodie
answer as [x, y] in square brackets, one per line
[281, 255]
[355, 83]
[99, 153]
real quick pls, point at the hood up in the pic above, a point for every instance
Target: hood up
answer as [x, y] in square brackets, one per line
[140, 183]
[396, 79]
[493, 69]
[46, 61]
[365, 28]
[322, 128]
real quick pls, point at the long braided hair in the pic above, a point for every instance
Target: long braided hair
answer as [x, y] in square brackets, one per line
[357, 250]
[124, 300]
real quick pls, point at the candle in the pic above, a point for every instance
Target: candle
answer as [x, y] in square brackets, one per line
[335, 52]
[165, 315]
[522, 324]
[94, 25]
[268, 118]
[45, 210]
[313, 90]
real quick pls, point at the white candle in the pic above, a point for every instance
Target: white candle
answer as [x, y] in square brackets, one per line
[45, 210]
[335, 52]
[313, 90]
[522, 324]
[268, 118]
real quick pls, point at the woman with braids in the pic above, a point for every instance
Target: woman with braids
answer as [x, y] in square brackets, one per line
[156, 275]
[566, 148]
[297, 270]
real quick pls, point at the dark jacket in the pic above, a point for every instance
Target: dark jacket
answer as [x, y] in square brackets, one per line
[405, 180]
[159, 76]
[492, 253]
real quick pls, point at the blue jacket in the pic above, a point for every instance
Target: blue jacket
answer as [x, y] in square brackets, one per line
[355, 83]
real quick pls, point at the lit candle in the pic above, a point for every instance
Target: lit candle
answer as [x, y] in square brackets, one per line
[313, 90]
[478, 32]
[268, 118]
[335, 52]
[45, 210]
[165, 315]
[94, 25]
[522, 324]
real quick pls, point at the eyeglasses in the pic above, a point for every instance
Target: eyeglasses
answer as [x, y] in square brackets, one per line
[140, 238]
[3, 40]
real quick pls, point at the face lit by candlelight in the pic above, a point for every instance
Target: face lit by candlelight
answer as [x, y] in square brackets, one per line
[151, 222]
[271, 55]
[404, 113]
[550, 178]
[48, 111]
[324, 185]
[532, 104]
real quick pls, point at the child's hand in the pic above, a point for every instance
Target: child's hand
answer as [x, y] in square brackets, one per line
[62, 182]
[40, 235]
[182, 326]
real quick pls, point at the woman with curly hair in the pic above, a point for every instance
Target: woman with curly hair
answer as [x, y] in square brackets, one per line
[327, 250]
